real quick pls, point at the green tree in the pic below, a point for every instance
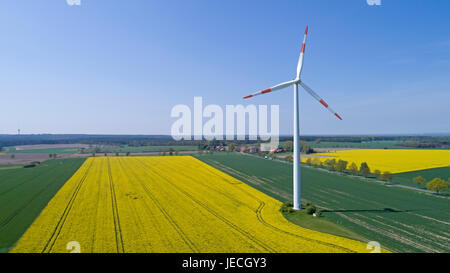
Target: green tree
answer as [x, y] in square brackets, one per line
[330, 163]
[437, 185]
[353, 168]
[364, 169]
[386, 176]
[305, 148]
[288, 146]
[419, 180]
[316, 161]
[341, 165]
[377, 173]
[50, 155]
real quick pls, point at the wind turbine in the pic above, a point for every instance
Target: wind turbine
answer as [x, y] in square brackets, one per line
[296, 82]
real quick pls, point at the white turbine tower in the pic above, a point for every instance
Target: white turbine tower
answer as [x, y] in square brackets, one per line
[296, 82]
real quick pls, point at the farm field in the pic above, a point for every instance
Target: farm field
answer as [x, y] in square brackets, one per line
[428, 174]
[168, 204]
[143, 149]
[24, 192]
[395, 161]
[401, 220]
[107, 149]
[69, 150]
[359, 145]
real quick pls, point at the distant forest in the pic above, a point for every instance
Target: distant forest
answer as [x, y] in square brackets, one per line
[165, 140]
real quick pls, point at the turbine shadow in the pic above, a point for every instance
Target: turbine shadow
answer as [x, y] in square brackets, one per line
[385, 210]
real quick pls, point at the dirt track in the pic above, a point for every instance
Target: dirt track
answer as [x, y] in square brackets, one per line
[50, 146]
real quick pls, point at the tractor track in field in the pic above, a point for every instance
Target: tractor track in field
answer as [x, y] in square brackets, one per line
[11, 217]
[384, 232]
[399, 236]
[425, 235]
[251, 180]
[115, 210]
[261, 219]
[223, 219]
[169, 218]
[408, 233]
[211, 172]
[20, 209]
[138, 222]
[93, 238]
[57, 230]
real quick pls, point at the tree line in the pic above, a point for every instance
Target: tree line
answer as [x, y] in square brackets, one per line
[343, 166]
[436, 184]
[167, 140]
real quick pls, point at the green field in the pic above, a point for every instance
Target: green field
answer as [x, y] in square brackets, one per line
[117, 149]
[360, 145]
[25, 192]
[399, 219]
[142, 149]
[12, 150]
[429, 174]
[321, 224]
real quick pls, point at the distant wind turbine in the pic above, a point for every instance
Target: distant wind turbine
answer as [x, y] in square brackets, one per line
[296, 82]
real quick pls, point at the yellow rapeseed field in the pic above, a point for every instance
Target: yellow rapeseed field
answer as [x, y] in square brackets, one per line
[394, 161]
[167, 204]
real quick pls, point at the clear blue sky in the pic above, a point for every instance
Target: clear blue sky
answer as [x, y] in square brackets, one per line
[118, 67]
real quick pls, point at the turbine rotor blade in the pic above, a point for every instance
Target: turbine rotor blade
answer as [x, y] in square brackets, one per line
[319, 99]
[268, 90]
[302, 53]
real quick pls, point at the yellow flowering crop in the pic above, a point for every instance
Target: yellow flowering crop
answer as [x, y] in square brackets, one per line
[394, 161]
[167, 204]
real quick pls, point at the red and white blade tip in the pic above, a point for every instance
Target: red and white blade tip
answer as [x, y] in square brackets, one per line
[306, 31]
[268, 90]
[327, 106]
